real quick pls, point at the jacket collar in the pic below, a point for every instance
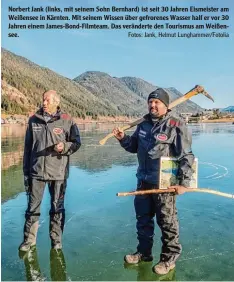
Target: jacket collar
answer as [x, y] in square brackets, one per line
[40, 114]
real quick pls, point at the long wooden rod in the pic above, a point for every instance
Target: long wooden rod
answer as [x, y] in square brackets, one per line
[172, 190]
[196, 90]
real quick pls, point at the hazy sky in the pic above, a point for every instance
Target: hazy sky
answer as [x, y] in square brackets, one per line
[166, 62]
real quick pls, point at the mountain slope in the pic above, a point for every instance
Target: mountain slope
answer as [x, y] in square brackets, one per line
[229, 109]
[32, 80]
[92, 93]
[143, 88]
[113, 92]
[138, 86]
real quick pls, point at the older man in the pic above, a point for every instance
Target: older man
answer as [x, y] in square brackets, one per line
[51, 137]
[161, 134]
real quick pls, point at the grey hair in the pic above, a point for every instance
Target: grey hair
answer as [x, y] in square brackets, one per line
[56, 97]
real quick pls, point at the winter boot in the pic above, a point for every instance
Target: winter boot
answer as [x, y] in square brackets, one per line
[163, 267]
[137, 257]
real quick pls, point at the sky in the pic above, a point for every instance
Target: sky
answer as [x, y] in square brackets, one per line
[166, 62]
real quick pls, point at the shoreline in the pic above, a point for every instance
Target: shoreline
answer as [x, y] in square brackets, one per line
[22, 120]
[103, 122]
[220, 120]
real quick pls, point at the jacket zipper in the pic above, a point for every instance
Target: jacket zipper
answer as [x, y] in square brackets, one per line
[151, 134]
[46, 128]
[146, 170]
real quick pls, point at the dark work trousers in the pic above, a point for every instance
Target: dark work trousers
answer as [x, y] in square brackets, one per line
[163, 206]
[57, 189]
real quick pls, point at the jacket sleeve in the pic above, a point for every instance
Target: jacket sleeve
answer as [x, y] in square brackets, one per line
[182, 145]
[130, 143]
[27, 149]
[73, 143]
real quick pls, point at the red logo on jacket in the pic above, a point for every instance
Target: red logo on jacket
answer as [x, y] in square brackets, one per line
[57, 130]
[162, 137]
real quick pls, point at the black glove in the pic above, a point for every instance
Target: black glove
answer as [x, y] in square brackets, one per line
[26, 183]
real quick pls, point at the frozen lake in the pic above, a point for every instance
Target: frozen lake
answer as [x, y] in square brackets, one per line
[100, 227]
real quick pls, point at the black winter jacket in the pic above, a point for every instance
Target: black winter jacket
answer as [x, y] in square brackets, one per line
[168, 137]
[41, 161]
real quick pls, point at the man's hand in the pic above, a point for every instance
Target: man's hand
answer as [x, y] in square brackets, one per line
[179, 190]
[118, 133]
[26, 183]
[59, 147]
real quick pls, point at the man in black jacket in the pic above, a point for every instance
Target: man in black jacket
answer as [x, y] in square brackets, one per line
[161, 134]
[51, 137]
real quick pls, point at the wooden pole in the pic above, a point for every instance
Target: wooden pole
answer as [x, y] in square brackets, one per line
[172, 190]
[196, 90]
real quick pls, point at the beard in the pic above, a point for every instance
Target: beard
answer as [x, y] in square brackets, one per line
[154, 113]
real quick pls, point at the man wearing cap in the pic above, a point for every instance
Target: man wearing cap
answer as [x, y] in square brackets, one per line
[161, 134]
[51, 137]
